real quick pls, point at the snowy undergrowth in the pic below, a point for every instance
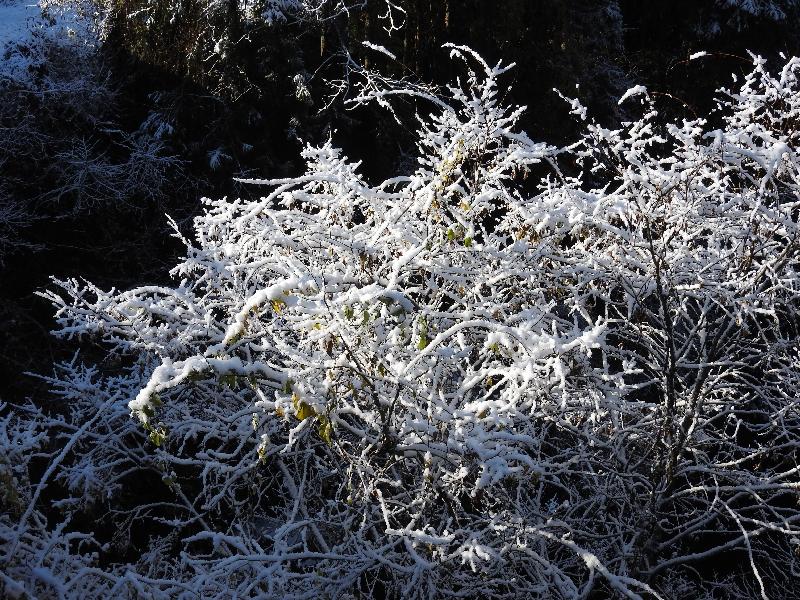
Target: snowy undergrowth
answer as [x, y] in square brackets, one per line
[515, 371]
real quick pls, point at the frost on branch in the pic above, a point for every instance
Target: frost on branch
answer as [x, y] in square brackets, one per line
[516, 370]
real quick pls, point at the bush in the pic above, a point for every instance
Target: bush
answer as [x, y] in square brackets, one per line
[515, 370]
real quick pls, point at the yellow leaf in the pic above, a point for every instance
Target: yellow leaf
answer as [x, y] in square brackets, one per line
[262, 452]
[305, 411]
[302, 410]
[278, 306]
[325, 430]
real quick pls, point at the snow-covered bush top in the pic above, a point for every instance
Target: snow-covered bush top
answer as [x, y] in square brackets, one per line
[517, 371]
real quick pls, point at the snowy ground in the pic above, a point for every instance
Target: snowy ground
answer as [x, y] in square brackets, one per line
[16, 17]
[22, 31]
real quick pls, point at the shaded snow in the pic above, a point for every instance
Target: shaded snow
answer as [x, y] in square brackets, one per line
[16, 18]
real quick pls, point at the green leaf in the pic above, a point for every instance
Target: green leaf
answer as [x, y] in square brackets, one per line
[228, 380]
[157, 436]
[423, 334]
[198, 375]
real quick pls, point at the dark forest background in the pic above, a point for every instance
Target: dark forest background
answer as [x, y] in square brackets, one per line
[157, 118]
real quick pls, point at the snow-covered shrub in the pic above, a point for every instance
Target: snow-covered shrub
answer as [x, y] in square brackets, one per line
[87, 448]
[39, 557]
[686, 240]
[516, 371]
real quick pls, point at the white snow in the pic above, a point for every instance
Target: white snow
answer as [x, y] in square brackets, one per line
[380, 49]
[636, 90]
